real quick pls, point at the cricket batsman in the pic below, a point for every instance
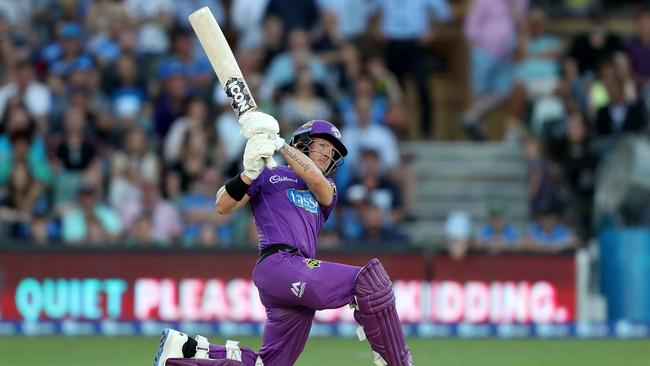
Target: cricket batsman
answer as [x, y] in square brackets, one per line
[290, 205]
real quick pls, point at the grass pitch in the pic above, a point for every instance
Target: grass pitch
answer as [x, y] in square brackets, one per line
[54, 351]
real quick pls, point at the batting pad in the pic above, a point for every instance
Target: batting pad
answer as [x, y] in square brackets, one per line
[376, 300]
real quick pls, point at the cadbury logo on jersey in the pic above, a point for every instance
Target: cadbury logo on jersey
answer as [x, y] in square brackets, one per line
[303, 199]
[278, 178]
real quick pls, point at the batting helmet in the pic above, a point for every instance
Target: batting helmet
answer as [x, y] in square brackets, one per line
[303, 137]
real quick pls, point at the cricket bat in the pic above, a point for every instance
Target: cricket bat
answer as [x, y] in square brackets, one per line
[223, 61]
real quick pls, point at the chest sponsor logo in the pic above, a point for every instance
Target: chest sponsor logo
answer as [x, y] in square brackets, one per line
[298, 288]
[311, 263]
[279, 178]
[303, 199]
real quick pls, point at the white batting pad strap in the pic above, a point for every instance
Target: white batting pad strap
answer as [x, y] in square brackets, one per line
[232, 350]
[361, 334]
[378, 360]
[202, 347]
[259, 362]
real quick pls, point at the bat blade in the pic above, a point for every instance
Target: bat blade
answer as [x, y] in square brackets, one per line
[223, 61]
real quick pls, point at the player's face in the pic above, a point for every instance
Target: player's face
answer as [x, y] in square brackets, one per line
[321, 152]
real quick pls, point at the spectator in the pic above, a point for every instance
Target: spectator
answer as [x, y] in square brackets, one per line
[124, 184]
[610, 69]
[76, 153]
[303, 105]
[33, 94]
[193, 162]
[21, 143]
[547, 233]
[60, 56]
[458, 233]
[377, 231]
[195, 66]
[193, 122]
[371, 133]
[294, 14]
[142, 232]
[101, 16]
[201, 222]
[407, 29]
[537, 72]
[620, 115]
[544, 178]
[589, 50]
[136, 151]
[22, 194]
[351, 16]
[571, 147]
[638, 49]
[164, 217]
[173, 99]
[172, 186]
[230, 141]
[272, 38]
[372, 184]
[364, 87]
[497, 235]
[90, 220]
[328, 40]
[287, 65]
[105, 42]
[247, 17]
[126, 89]
[490, 28]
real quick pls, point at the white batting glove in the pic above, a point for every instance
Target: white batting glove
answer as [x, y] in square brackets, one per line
[253, 168]
[254, 123]
[277, 141]
[258, 151]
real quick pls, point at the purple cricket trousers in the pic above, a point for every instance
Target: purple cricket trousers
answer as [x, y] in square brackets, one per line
[291, 288]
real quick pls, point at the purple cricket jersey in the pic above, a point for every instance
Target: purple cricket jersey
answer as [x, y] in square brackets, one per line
[285, 210]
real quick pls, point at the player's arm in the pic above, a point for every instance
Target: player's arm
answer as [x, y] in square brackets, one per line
[225, 203]
[309, 172]
[233, 195]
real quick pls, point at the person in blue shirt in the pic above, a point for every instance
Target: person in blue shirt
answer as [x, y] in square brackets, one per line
[547, 233]
[497, 234]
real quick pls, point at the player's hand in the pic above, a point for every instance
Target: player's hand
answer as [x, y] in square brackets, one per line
[254, 123]
[277, 141]
[253, 168]
[258, 151]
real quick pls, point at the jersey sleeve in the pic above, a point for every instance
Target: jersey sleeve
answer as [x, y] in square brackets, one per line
[328, 210]
[256, 187]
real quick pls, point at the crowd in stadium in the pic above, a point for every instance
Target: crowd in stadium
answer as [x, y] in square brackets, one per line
[114, 129]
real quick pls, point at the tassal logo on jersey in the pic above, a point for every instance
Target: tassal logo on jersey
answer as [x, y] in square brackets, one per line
[303, 199]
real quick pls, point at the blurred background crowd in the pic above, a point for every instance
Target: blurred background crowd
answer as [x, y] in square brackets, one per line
[115, 132]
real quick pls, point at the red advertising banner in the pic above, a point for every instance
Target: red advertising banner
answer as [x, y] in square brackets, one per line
[216, 287]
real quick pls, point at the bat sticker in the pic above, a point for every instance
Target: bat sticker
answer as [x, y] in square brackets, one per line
[239, 95]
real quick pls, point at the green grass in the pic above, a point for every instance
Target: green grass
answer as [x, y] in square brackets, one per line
[48, 351]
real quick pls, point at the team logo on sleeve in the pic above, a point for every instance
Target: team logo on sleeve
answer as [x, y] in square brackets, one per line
[298, 288]
[311, 263]
[333, 187]
[303, 199]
